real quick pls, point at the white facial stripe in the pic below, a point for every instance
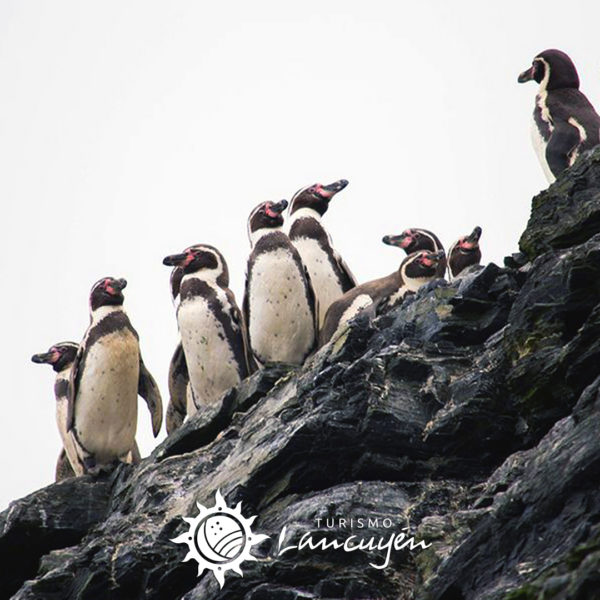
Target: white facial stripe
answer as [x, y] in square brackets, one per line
[413, 284]
[435, 244]
[544, 82]
[293, 200]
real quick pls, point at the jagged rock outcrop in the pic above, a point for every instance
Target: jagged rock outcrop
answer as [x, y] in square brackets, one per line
[470, 415]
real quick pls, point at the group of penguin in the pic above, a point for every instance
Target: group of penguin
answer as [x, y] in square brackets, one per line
[299, 296]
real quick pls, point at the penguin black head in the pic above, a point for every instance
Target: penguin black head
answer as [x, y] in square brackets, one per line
[60, 356]
[421, 265]
[316, 196]
[267, 215]
[200, 257]
[465, 252]
[412, 240]
[107, 291]
[553, 70]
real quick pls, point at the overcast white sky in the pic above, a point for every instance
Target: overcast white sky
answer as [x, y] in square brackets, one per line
[132, 129]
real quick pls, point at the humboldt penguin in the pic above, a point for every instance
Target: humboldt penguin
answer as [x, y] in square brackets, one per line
[210, 324]
[179, 378]
[330, 276]
[464, 253]
[415, 270]
[106, 378]
[413, 240]
[279, 303]
[61, 357]
[565, 123]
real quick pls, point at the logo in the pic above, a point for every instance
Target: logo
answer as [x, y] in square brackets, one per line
[219, 539]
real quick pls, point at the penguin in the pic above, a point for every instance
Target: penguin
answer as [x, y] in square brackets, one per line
[412, 240]
[61, 357]
[565, 124]
[330, 275]
[107, 375]
[415, 270]
[464, 253]
[178, 372]
[210, 324]
[280, 308]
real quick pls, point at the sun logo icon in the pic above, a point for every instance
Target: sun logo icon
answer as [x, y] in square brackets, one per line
[219, 538]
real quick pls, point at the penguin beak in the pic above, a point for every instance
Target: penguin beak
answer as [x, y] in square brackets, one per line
[433, 258]
[277, 208]
[527, 75]
[329, 191]
[475, 235]
[400, 241]
[174, 260]
[116, 286]
[44, 357]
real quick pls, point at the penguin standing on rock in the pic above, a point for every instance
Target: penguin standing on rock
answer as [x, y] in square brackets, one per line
[330, 276]
[565, 124]
[106, 378]
[415, 270]
[279, 303]
[211, 326]
[413, 240]
[464, 253]
[179, 377]
[61, 357]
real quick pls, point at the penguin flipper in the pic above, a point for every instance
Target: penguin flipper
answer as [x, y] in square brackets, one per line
[252, 358]
[237, 318]
[313, 303]
[149, 391]
[64, 470]
[178, 382]
[72, 387]
[564, 139]
[134, 456]
[347, 278]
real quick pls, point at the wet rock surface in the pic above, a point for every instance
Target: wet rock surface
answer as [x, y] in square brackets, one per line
[468, 418]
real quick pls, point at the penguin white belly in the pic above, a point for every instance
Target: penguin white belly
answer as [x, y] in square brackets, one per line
[210, 359]
[539, 145]
[324, 280]
[357, 305]
[281, 324]
[106, 403]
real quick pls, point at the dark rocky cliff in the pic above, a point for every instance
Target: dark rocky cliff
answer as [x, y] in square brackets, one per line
[470, 415]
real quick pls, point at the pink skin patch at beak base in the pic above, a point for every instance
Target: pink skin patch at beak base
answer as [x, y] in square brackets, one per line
[271, 213]
[321, 192]
[406, 242]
